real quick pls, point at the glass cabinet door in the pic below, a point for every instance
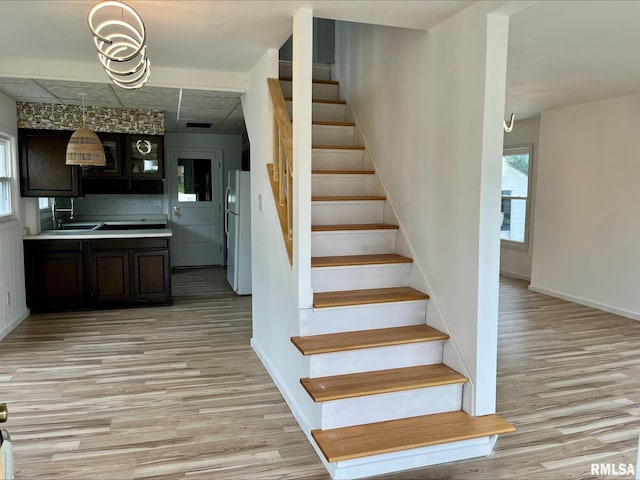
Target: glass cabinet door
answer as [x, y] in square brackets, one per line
[145, 156]
[112, 148]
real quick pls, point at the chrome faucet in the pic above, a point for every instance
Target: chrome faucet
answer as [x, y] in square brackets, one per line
[57, 223]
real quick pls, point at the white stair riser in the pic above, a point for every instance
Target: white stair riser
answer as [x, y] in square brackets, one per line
[324, 112]
[320, 321]
[347, 212]
[332, 135]
[408, 459]
[377, 358]
[358, 277]
[353, 242]
[341, 184]
[321, 71]
[391, 406]
[328, 159]
[320, 91]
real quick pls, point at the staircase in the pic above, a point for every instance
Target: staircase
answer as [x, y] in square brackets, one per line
[376, 369]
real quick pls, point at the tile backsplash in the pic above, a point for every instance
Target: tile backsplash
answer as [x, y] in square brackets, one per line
[105, 205]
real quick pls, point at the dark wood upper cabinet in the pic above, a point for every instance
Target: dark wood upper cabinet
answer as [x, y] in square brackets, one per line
[43, 172]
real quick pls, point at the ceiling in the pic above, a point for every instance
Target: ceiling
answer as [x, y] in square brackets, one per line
[200, 51]
[560, 52]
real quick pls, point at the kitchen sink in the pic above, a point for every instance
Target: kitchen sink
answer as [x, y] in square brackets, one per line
[131, 226]
[80, 226]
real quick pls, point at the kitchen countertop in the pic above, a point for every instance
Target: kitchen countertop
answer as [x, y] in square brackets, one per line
[98, 234]
[108, 227]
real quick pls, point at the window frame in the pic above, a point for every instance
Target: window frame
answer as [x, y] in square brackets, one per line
[514, 150]
[9, 177]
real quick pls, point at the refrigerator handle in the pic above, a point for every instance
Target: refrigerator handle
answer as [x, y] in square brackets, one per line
[226, 213]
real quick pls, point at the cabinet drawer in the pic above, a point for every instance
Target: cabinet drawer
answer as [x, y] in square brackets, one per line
[53, 246]
[129, 243]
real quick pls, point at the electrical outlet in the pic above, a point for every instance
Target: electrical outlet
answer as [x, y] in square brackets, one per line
[8, 298]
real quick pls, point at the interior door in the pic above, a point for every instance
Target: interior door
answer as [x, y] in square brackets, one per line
[196, 185]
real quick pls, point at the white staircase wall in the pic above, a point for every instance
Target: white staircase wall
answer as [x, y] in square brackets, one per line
[356, 277]
[377, 358]
[456, 248]
[342, 184]
[347, 212]
[391, 406]
[320, 321]
[353, 242]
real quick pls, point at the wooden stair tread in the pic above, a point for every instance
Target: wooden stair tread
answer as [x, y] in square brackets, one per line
[345, 260]
[381, 337]
[407, 433]
[365, 296]
[343, 172]
[354, 226]
[347, 198]
[319, 100]
[333, 124]
[324, 389]
[338, 147]
[326, 82]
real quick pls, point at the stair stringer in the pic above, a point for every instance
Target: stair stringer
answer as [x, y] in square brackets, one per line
[418, 279]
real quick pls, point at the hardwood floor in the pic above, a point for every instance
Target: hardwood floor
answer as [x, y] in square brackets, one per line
[176, 392]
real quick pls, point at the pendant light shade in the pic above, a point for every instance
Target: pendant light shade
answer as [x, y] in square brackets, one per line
[85, 148]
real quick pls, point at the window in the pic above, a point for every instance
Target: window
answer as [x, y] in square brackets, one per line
[516, 185]
[6, 182]
[44, 203]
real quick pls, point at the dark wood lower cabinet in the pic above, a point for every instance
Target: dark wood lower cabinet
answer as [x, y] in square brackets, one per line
[110, 277]
[150, 274]
[75, 274]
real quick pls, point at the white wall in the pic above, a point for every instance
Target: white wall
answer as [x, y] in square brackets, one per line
[11, 251]
[586, 246]
[430, 106]
[514, 261]
[274, 283]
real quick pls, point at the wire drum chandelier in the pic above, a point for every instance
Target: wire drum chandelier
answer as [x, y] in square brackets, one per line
[121, 46]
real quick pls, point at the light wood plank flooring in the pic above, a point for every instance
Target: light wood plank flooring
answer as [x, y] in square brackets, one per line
[176, 392]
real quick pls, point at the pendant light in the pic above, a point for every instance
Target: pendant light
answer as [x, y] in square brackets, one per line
[121, 44]
[84, 147]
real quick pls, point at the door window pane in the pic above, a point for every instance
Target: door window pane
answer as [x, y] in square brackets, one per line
[194, 180]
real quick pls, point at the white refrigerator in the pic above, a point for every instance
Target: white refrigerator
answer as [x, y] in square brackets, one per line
[237, 225]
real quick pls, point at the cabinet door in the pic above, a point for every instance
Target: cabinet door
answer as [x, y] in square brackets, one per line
[151, 275]
[43, 172]
[56, 280]
[110, 277]
[145, 157]
[111, 142]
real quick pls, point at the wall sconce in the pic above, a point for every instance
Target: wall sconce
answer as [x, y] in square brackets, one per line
[121, 42]
[84, 147]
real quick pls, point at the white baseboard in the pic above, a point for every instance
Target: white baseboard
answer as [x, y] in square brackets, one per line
[585, 302]
[515, 275]
[9, 328]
